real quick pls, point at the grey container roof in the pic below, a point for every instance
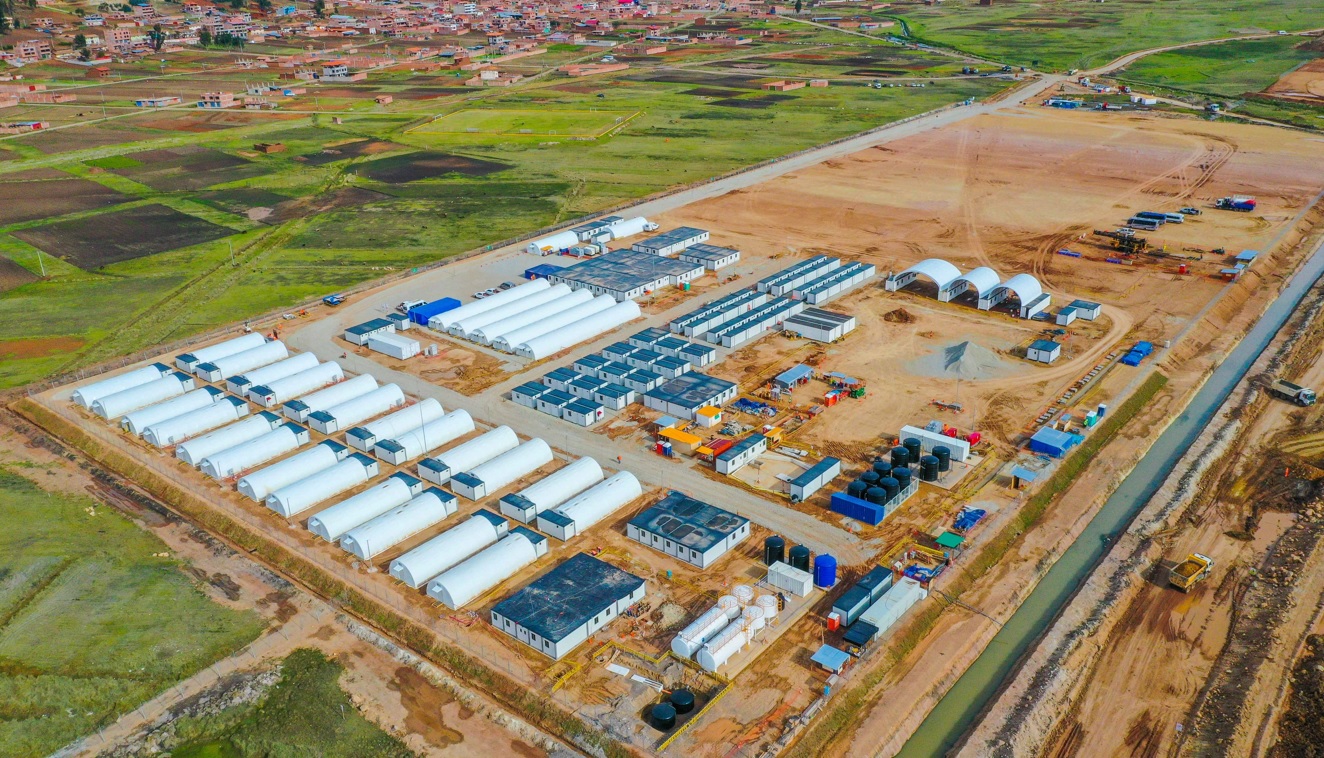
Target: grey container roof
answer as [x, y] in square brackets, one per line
[689, 522]
[565, 598]
[815, 471]
[691, 389]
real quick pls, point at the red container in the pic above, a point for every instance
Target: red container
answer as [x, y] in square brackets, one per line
[833, 622]
[974, 438]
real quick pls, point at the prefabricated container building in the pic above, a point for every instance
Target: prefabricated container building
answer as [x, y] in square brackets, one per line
[688, 529]
[671, 242]
[299, 410]
[552, 490]
[131, 399]
[238, 459]
[331, 523]
[351, 412]
[406, 419]
[89, 393]
[296, 498]
[175, 430]
[461, 585]
[464, 457]
[359, 334]
[709, 316]
[394, 345]
[322, 456]
[279, 391]
[814, 478]
[485, 479]
[384, 532]
[194, 451]
[187, 361]
[416, 567]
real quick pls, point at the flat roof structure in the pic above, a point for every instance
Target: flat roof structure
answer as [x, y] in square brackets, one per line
[689, 392]
[816, 321]
[626, 274]
[705, 253]
[690, 525]
[717, 311]
[672, 241]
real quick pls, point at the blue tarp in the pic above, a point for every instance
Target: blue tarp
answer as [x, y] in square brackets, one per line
[830, 658]
[1052, 442]
[541, 271]
[1024, 474]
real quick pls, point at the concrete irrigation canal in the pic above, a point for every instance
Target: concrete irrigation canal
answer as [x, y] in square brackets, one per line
[956, 713]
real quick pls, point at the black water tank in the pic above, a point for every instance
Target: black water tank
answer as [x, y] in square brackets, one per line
[663, 716]
[682, 701]
[890, 486]
[900, 456]
[800, 557]
[774, 550]
[902, 476]
[944, 456]
[912, 446]
[882, 467]
[928, 468]
[876, 495]
[870, 477]
[857, 488]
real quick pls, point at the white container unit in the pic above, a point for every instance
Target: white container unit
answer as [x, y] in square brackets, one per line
[400, 348]
[702, 629]
[143, 395]
[293, 499]
[590, 507]
[557, 340]
[175, 430]
[231, 365]
[389, 427]
[443, 321]
[491, 476]
[476, 451]
[552, 490]
[486, 335]
[299, 410]
[508, 341]
[459, 586]
[553, 244]
[190, 360]
[464, 327]
[375, 537]
[894, 603]
[240, 458]
[136, 423]
[90, 393]
[417, 566]
[334, 521]
[194, 451]
[240, 383]
[280, 391]
[351, 412]
[320, 457]
[423, 440]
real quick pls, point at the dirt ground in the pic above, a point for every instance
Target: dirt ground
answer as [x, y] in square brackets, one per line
[1305, 84]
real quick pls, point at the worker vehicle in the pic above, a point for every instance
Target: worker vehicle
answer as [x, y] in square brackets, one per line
[1144, 224]
[1190, 572]
[1190, 211]
[1293, 393]
[1162, 218]
[1240, 203]
[333, 300]
[409, 305]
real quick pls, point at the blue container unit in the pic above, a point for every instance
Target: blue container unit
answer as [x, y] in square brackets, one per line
[860, 510]
[825, 570]
[420, 314]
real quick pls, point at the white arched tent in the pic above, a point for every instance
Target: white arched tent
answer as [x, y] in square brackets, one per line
[981, 281]
[939, 271]
[1027, 290]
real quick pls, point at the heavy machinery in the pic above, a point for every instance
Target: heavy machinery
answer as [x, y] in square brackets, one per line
[1191, 571]
[1242, 203]
[1125, 241]
[1293, 393]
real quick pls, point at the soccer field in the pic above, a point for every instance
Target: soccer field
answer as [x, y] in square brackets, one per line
[515, 122]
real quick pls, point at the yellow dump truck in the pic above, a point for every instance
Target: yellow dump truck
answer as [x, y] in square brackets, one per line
[1191, 571]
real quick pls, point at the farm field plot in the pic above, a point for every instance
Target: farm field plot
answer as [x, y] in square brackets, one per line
[95, 621]
[96, 241]
[546, 122]
[12, 276]
[1230, 69]
[187, 168]
[32, 200]
[347, 150]
[427, 165]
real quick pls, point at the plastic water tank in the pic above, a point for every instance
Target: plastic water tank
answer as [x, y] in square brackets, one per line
[870, 477]
[768, 604]
[857, 488]
[890, 486]
[800, 557]
[825, 570]
[900, 457]
[902, 476]
[682, 701]
[944, 456]
[729, 605]
[753, 619]
[744, 593]
[881, 467]
[928, 468]
[913, 448]
[774, 550]
[877, 495]
[663, 716]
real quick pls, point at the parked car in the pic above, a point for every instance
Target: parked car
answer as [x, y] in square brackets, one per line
[333, 300]
[1190, 211]
[481, 295]
[507, 285]
[407, 305]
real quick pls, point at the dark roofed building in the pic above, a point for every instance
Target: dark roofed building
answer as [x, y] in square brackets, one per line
[688, 529]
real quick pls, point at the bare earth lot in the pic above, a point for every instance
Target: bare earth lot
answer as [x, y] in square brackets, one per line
[90, 243]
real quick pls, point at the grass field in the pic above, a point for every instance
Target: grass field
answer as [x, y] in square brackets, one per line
[1062, 36]
[532, 122]
[92, 623]
[305, 714]
[1225, 70]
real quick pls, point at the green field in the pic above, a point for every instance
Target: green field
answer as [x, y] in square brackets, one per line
[92, 623]
[1229, 69]
[1065, 35]
[305, 714]
[515, 122]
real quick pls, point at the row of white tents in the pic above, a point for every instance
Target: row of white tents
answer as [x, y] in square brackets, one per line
[535, 319]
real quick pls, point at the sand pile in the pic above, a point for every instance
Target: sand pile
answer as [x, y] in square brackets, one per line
[899, 316]
[963, 360]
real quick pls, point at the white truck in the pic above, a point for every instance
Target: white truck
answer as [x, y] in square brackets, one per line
[1293, 393]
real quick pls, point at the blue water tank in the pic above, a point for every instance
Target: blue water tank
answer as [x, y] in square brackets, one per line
[825, 570]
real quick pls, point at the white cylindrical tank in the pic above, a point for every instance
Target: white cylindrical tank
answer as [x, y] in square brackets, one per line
[464, 327]
[246, 455]
[175, 430]
[513, 464]
[509, 340]
[333, 522]
[256, 485]
[365, 406]
[331, 396]
[279, 391]
[136, 422]
[600, 501]
[479, 450]
[90, 393]
[554, 341]
[370, 539]
[752, 618]
[460, 585]
[219, 350]
[417, 566]
[428, 437]
[296, 498]
[443, 321]
[553, 244]
[702, 629]
[196, 450]
[254, 357]
[743, 593]
[488, 334]
[720, 648]
[628, 227]
[730, 606]
[133, 398]
[562, 484]
[278, 370]
[404, 420]
[767, 604]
